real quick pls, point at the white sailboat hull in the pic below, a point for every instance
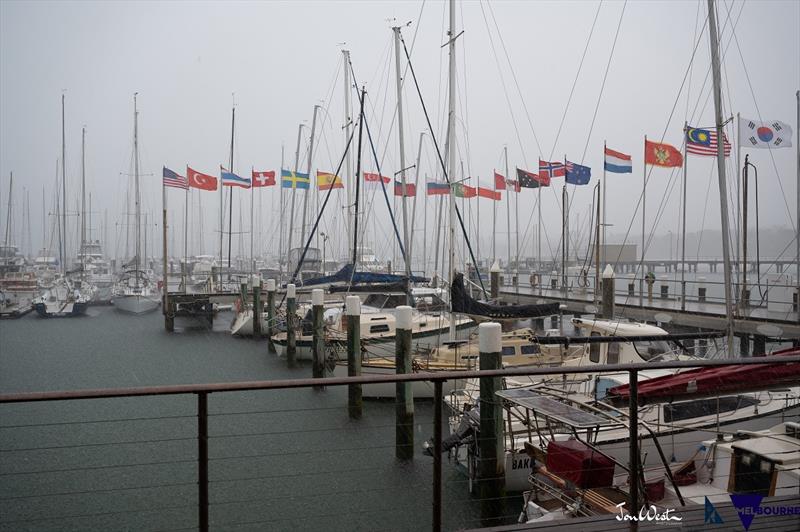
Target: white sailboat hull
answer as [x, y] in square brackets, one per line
[136, 304]
[243, 323]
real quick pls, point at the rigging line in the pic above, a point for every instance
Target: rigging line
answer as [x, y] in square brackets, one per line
[503, 83]
[441, 161]
[514, 75]
[758, 111]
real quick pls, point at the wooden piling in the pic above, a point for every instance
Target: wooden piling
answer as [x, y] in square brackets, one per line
[258, 310]
[491, 464]
[270, 314]
[291, 321]
[353, 314]
[404, 406]
[608, 291]
[317, 340]
[494, 280]
[759, 345]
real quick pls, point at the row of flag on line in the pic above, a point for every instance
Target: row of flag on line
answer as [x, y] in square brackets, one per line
[703, 142]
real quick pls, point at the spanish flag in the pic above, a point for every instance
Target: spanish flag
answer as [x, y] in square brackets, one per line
[327, 181]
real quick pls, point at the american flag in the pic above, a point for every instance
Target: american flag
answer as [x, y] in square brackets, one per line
[704, 142]
[172, 179]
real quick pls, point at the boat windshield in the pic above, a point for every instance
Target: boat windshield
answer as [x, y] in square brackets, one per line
[652, 349]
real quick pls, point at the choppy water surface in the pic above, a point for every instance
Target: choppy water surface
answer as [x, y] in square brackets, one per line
[279, 460]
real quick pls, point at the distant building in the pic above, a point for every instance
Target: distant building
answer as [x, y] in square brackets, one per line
[619, 253]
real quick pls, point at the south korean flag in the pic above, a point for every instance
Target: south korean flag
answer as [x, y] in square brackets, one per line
[764, 135]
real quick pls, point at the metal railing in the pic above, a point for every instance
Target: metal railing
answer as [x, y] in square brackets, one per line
[202, 433]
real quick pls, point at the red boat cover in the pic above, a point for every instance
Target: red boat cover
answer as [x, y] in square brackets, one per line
[712, 381]
[575, 461]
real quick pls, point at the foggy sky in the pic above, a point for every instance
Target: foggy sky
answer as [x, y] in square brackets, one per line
[281, 58]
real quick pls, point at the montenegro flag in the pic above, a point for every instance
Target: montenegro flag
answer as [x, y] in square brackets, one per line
[659, 154]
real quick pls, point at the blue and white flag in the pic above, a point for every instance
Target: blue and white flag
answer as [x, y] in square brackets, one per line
[229, 179]
[577, 174]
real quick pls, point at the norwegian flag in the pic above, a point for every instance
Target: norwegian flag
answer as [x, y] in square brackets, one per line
[551, 169]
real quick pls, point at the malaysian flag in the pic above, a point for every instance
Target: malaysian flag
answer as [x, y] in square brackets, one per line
[171, 179]
[704, 142]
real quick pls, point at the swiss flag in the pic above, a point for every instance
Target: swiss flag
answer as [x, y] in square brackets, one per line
[201, 181]
[263, 179]
[499, 182]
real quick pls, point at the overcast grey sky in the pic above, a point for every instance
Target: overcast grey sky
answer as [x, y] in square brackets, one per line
[186, 59]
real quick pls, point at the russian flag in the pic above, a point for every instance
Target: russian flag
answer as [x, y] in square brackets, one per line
[435, 189]
[229, 179]
[618, 163]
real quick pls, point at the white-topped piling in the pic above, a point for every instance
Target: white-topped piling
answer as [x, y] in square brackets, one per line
[404, 406]
[352, 311]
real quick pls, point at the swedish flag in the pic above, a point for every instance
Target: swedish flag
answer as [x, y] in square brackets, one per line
[290, 179]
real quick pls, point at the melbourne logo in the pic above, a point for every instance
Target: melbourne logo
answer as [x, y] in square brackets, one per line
[746, 506]
[712, 517]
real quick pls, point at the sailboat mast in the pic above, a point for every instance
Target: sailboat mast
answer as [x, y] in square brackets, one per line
[62, 237]
[401, 141]
[137, 204]
[508, 210]
[230, 192]
[308, 171]
[723, 190]
[356, 254]
[8, 211]
[81, 249]
[294, 194]
[451, 153]
[348, 123]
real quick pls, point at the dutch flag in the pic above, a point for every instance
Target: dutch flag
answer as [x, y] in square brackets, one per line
[617, 162]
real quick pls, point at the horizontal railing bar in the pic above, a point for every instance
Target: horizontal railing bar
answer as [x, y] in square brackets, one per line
[107, 393]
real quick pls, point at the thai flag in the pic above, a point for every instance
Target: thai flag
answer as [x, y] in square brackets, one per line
[229, 179]
[618, 163]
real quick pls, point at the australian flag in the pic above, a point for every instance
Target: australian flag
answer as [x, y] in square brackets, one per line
[577, 174]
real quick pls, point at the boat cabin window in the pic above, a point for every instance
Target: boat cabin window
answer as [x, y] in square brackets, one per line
[601, 387]
[612, 356]
[705, 407]
[508, 350]
[594, 351]
[379, 328]
[384, 301]
[752, 473]
[652, 349]
[530, 349]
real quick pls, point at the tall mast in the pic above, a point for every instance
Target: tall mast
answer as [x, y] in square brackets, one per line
[401, 140]
[356, 254]
[294, 193]
[81, 249]
[451, 153]
[8, 211]
[414, 208]
[62, 237]
[282, 221]
[723, 186]
[230, 192]
[797, 218]
[138, 207]
[308, 171]
[348, 123]
[508, 210]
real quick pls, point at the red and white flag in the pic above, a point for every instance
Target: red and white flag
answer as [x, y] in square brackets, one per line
[201, 181]
[263, 179]
[499, 182]
[375, 179]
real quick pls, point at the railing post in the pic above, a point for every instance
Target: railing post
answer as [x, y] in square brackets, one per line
[353, 313]
[607, 297]
[291, 318]
[404, 405]
[257, 308]
[270, 313]
[317, 346]
[633, 447]
[202, 460]
[437, 456]
[491, 465]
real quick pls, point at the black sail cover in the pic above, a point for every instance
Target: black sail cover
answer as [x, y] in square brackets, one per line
[464, 304]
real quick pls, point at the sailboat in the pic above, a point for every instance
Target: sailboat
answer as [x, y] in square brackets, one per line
[65, 297]
[135, 291]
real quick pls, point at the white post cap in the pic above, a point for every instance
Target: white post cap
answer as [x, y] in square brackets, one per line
[495, 267]
[403, 317]
[608, 273]
[489, 337]
[291, 291]
[317, 297]
[270, 285]
[352, 306]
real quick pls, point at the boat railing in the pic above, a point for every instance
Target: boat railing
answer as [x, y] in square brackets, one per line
[231, 453]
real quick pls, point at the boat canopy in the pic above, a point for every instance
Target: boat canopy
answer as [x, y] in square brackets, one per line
[712, 381]
[348, 275]
[464, 304]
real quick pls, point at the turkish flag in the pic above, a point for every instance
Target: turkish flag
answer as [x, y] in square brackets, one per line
[201, 181]
[263, 179]
[499, 182]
